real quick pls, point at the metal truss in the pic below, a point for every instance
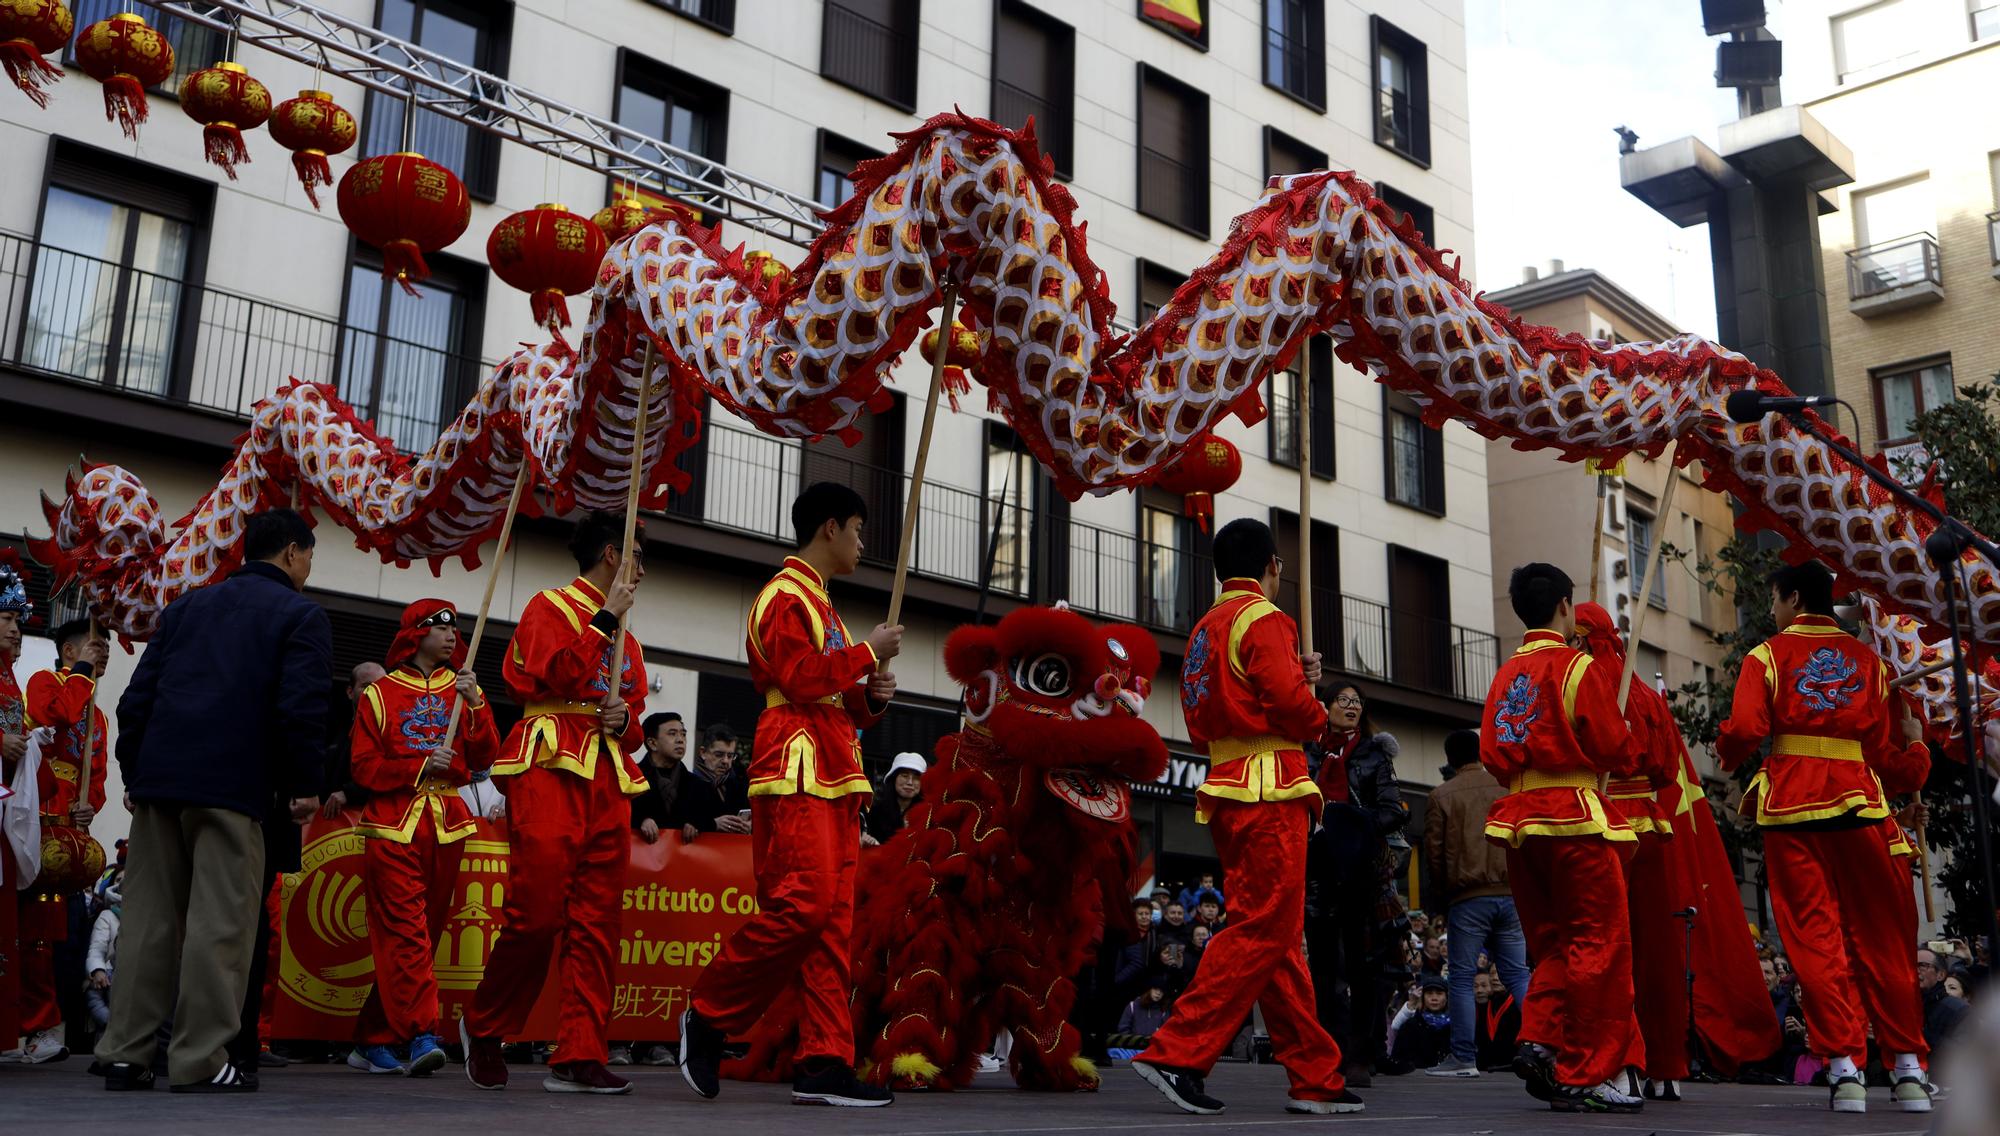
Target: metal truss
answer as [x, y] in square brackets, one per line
[425, 80]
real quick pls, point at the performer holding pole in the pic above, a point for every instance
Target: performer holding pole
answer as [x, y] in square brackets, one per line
[1305, 564]
[1247, 694]
[411, 822]
[1822, 698]
[820, 688]
[1552, 729]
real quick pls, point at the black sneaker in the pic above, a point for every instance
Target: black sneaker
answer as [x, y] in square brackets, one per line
[1179, 1086]
[835, 1084]
[1535, 1068]
[1346, 1102]
[701, 1055]
[228, 1079]
[125, 1077]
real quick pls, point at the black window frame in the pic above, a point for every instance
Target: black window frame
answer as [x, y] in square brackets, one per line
[1328, 616]
[830, 152]
[1198, 107]
[196, 46]
[1316, 361]
[1194, 589]
[1911, 369]
[998, 438]
[716, 15]
[1432, 439]
[664, 80]
[1058, 134]
[1644, 515]
[1276, 140]
[1152, 276]
[1314, 65]
[481, 173]
[899, 91]
[79, 167]
[1196, 40]
[470, 278]
[1416, 60]
[1421, 214]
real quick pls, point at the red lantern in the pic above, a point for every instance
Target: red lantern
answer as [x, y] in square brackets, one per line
[628, 215]
[964, 352]
[311, 127]
[1208, 466]
[71, 860]
[29, 30]
[547, 252]
[406, 205]
[127, 56]
[227, 102]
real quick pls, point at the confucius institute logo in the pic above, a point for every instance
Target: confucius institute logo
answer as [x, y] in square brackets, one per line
[325, 962]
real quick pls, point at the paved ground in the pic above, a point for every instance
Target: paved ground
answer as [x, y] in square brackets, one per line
[311, 1100]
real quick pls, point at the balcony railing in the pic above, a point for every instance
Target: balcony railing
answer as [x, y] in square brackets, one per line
[1013, 106]
[1295, 63]
[874, 58]
[1172, 190]
[104, 324]
[1883, 268]
[1118, 576]
[1416, 650]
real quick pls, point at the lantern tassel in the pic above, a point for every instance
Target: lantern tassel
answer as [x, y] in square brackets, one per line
[403, 262]
[313, 172]
[225, 147]
[956, 383]
[1200, 506]
[29, 69]
[125, 104]
[550, 309]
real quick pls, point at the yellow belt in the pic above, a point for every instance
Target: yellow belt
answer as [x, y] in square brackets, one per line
[544, 709]
[1534, 780]
[1230, 749]
[1629, 789]
[776, 698]
[1806, 745]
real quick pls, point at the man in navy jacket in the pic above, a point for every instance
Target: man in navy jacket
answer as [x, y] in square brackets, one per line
[224, 714]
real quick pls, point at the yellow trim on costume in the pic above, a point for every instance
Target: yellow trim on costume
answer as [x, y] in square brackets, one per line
[538, 747]
[1630, 789]
[1806, 745]
[775, 698]
[1240, 624]
[1854, 802]
[429, 800]
[1530, 646]
[1595, 823]
[1533, 779]
[800, 773]
[1823, 627]
[787, 586]
[1572, 682]
[1762, 653]
[1232, 749]
[374, 699]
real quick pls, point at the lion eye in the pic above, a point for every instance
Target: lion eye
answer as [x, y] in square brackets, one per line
[1045, 675]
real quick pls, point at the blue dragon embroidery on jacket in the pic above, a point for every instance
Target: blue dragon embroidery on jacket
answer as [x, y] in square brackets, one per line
[1519, 709]
[1829, 680]
[836, 639]
[1194, 672]
[423, 724]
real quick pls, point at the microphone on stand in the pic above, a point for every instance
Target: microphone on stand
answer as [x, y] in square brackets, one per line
[1685, 912]
[1751, 406]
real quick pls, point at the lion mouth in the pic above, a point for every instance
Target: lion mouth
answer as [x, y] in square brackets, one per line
[1091, 706]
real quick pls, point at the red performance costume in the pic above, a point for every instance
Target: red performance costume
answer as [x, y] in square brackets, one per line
[59, 700]
[1551, 727]
[568, 823]
[806, 792]
[412, 821]
[1840, 897]
[1246, 699]
[13, 720]
[1654, 891]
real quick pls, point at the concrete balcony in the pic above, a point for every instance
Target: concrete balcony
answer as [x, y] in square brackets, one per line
[1894, 276]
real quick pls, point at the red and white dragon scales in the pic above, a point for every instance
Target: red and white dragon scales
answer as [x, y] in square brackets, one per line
[965, 202]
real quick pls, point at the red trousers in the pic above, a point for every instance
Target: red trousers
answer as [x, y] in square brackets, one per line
[1257, 957]
[1570, 893]
[35, 960]
[1659, 958]
[569, 842]
[804, 849]
[1844, 910]
[410, 888]
[10, 928]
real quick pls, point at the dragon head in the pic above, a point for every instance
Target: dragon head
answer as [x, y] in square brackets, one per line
[1056, 690]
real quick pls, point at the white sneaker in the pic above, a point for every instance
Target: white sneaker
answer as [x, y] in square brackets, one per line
[990, 1064]
[44, 1047]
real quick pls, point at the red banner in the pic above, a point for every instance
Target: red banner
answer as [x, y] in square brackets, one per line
[681, 901]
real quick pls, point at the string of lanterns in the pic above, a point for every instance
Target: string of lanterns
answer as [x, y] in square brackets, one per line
[403, 204]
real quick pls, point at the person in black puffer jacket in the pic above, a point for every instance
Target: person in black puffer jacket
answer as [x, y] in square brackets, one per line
[1347, 872]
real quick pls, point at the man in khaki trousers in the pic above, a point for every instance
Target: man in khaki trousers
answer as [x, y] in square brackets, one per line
[225, 711]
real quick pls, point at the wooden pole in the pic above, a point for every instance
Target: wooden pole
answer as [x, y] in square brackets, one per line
[1921, 673]
[1646, 585]
[1924, 863]
[625, 568]
[910, 506]
[90, 717]
[1597, 538]
[1305, 514]
[486, 601]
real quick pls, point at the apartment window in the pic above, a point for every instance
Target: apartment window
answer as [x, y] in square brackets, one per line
[118, 241]
[1421, 215]
[661, 104]
[717, 14]
[1887, 214]
[1034, 67]
[1705, 599]
[1873, 41]
[1420, 636]
[1010, 497]
[1185, 20]
[1640, 532]
[1295, 49]
[1285, 155]
[872, 467]
[1985, 20]
[471, 34]
[871, 46]
[1172, 584]
[1157, 285]
[1414, 454]
[408, 362]
[1316, 359]
[195, 45]
[1402, 91]
[838, 156]
[1906, 391]
[1173, 152]
[1325, 578]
